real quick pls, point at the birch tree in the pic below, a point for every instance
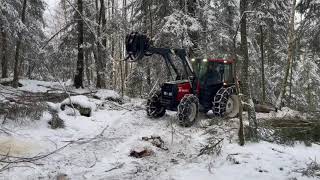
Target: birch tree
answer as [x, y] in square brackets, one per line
[291, 40]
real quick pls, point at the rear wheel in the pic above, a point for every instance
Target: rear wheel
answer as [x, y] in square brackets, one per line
[154, 107]
[226, 102]
[188, 110]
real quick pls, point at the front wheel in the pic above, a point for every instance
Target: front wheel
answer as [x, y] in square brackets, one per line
[226, 102]
[188, 110]
[154, 107]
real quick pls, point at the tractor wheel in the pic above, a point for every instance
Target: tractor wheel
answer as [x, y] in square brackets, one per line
[226, 102]
[154, 107]
[188, 110]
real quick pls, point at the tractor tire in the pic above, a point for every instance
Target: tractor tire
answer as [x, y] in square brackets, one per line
[188, 110]
[154, 107]
[226, 103]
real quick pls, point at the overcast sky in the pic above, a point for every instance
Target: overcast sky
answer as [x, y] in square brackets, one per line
[50, 6]
[48, 15]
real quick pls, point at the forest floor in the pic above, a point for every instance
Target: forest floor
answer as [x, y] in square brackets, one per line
[99, 147]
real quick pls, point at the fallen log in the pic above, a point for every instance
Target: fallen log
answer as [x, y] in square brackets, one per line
[262, 108]
[8, 82]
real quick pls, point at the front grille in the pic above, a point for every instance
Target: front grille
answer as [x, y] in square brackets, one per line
[168, 96]
[166, 101]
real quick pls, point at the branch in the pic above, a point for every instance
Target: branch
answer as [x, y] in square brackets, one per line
[116, 167]
[209, 148]
[62, 29]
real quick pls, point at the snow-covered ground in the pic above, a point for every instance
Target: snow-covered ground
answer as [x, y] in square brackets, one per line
[104, 141]
[41, 86]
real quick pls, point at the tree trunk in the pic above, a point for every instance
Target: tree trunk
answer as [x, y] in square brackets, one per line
[4, 62]
[101, 65]
[263, 85]
[290, 56]
[121, 66]
[16, 70]
[124, 74]
[235, 72]
[111, 65]
[291, 72]
[245, 83]
[87, 65]
[78, 79]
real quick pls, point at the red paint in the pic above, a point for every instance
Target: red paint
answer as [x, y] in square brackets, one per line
[229, 61]
[183, 89]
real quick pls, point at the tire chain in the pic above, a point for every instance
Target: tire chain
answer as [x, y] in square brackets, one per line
[183, 109]
[151, 107]
[221, 99]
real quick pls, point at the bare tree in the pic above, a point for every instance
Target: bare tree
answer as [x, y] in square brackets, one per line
[16, 70]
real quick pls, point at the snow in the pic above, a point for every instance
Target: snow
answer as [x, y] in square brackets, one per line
[263, 161]
[82, 101]
[105, 94]
[106, 138]
[40, 86]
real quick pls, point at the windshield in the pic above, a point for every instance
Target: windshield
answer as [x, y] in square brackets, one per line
[228, 73]
[200, 68]
[212, 72]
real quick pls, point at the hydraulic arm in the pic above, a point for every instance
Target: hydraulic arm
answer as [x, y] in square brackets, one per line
[138, 46]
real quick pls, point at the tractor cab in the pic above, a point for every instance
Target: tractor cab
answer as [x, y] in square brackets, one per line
[213, 71]
[212, 74]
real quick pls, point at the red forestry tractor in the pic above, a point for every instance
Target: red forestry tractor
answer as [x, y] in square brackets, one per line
[204, 84]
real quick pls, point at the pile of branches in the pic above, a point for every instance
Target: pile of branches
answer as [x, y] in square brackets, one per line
[312, 169]
[288, 130]
[214, 147]
[20, 105]
[20, 112]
